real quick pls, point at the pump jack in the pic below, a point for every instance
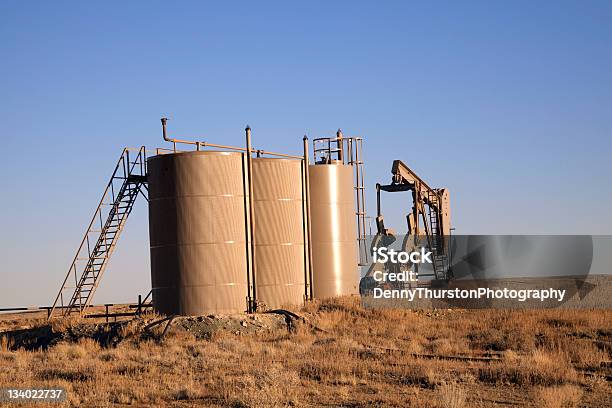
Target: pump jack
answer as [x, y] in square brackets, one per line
[428, 225]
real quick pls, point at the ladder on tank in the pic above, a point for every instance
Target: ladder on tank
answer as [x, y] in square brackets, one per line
[349, 151]
[127, 181]
[355, 148]
[439, 257]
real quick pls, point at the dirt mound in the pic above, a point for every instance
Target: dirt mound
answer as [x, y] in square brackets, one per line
[110, 334]
[203, 327]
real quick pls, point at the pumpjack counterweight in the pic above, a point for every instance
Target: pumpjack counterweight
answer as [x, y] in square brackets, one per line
[128, 180]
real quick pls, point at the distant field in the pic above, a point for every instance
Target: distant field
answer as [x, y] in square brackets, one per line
[332, 353]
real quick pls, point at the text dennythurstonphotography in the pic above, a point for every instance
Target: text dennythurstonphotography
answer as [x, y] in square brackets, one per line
[520, 295]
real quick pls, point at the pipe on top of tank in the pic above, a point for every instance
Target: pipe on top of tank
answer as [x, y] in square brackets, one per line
[340, 145]
[198, 145]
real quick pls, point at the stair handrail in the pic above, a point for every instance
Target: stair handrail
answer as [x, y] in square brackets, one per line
[72, 267]
[109, 220]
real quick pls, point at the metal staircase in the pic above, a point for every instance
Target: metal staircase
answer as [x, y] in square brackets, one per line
[128, 179]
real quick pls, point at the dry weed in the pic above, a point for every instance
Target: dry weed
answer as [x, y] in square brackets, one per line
[64, 323]
[451, 396]
[565, 396]
[363, 358]
[538, 368]
[6, 344]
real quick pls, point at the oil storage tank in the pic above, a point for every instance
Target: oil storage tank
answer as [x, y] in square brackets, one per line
[278, 203]
[333, 230]
[198, 235]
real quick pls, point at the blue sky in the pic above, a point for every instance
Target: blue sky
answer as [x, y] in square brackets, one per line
[508, 104]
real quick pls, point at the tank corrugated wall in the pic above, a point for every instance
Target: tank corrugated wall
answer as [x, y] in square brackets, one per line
[279, 231]
[333, 231]
[197, 228]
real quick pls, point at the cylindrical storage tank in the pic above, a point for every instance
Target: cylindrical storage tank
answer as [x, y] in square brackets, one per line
[333, 231]
[197, 228]
[279, 232]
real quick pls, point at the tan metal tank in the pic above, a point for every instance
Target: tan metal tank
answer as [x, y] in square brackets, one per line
[333, 230]
[279, 232]
[197, 227]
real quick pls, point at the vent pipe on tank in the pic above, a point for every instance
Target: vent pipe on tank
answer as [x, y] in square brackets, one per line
[252, 306]
[163, 122]
[307, 223]
[340, 144]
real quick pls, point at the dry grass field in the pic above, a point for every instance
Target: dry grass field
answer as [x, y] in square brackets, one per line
[335, 355]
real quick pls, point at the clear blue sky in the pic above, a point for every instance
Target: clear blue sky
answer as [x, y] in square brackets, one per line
[508, 104]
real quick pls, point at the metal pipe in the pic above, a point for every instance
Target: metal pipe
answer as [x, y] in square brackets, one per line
[303, 171]
[164, 121]
[199, 145]
[308, 220]
[340, 144]
[378, 200]
[249, 271]
[251, 217]
[259, 152]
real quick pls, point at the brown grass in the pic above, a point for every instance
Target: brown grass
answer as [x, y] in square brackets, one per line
[452, 396]
[356, 358]
[537, 368]
[566, 396]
